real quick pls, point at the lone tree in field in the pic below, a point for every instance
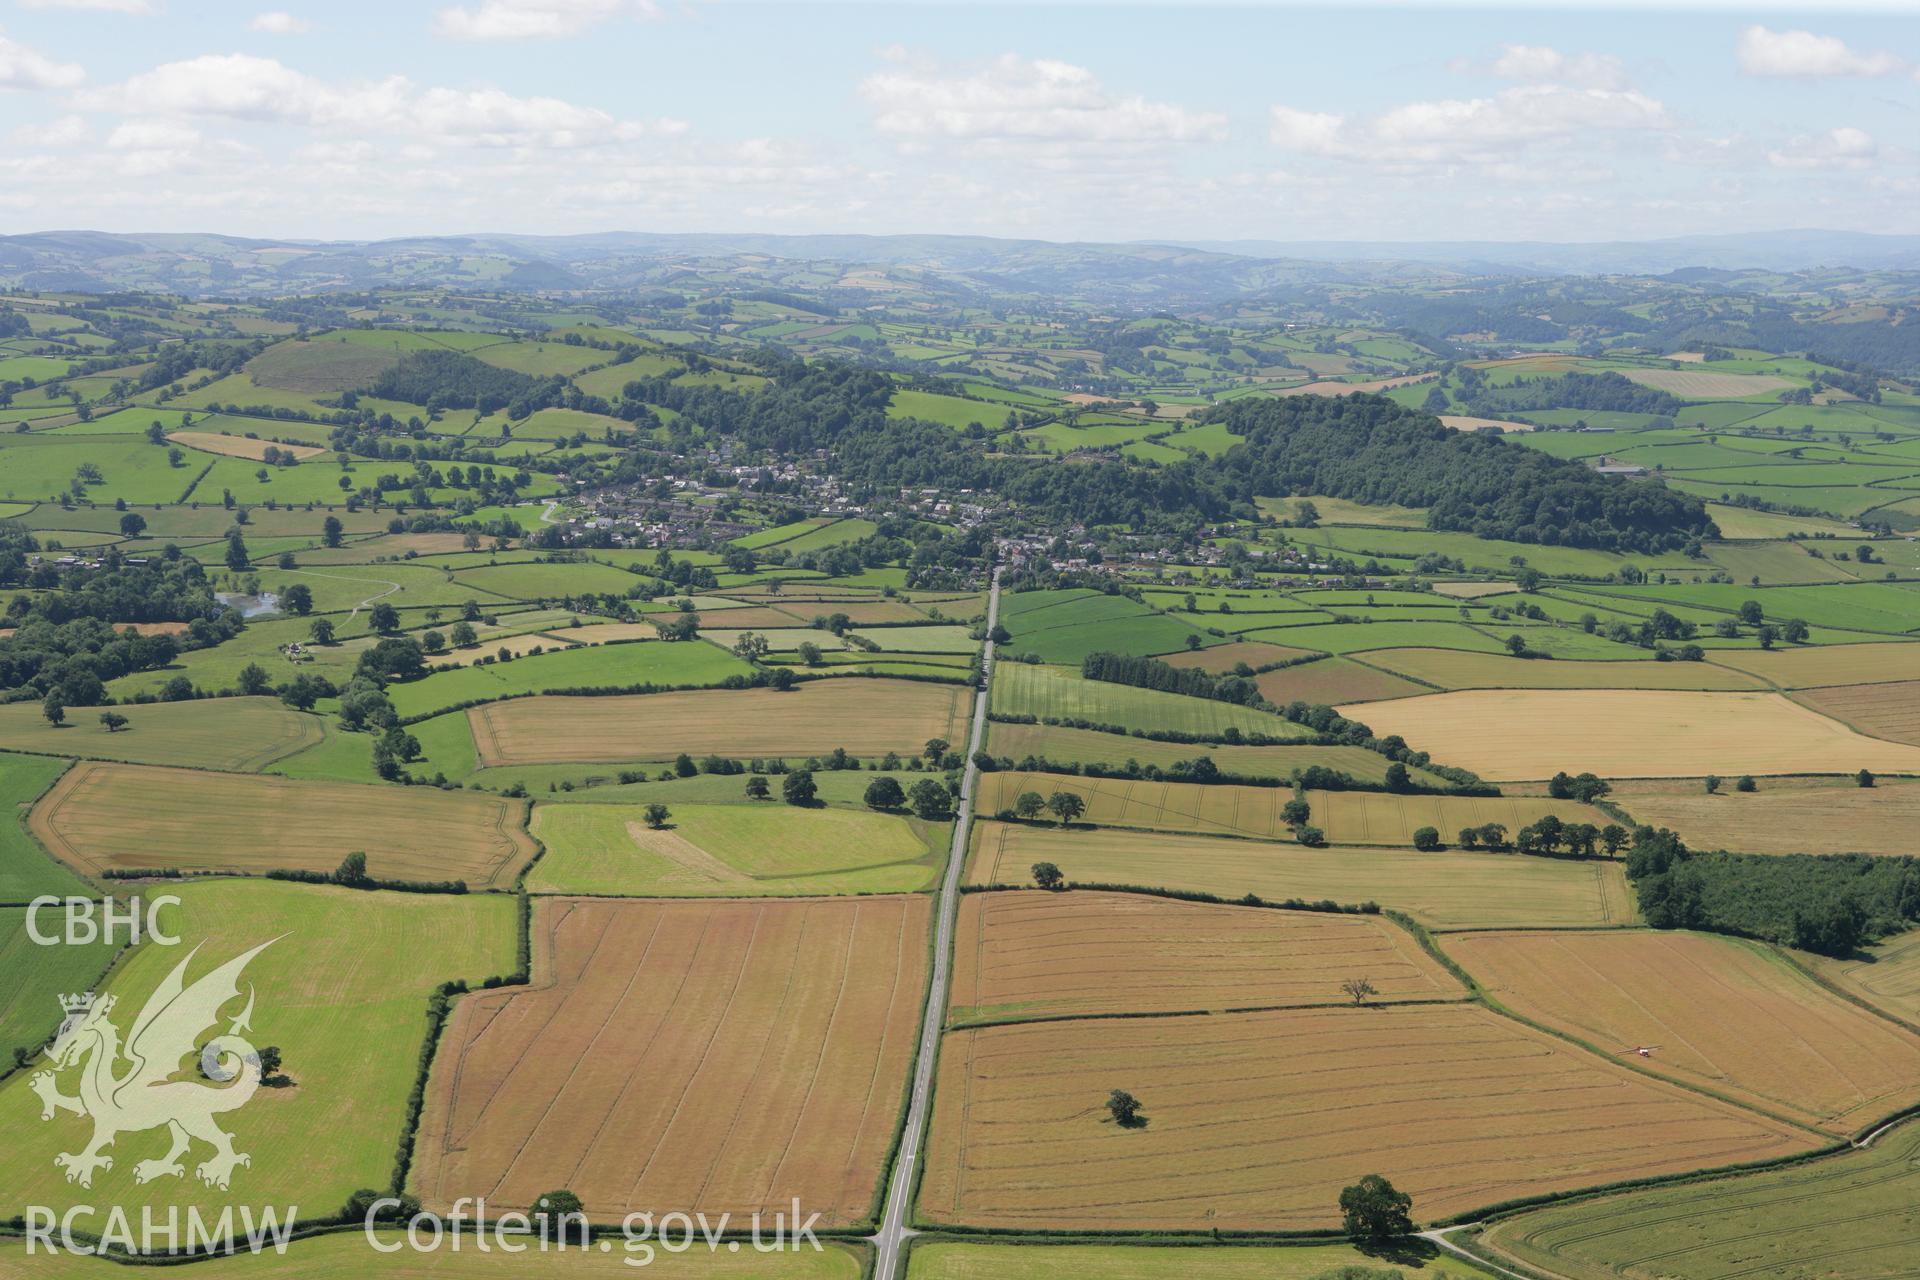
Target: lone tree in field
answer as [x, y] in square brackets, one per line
[936, 749]
[1125, 1109]
[1028, 804]
[757, 788]
[270, 1064]
[383, 618]
[1066, 806]
[798, 787]
[1863, 778]
[931, 800]
[1047, 876]
[1713, 784]
[54, 708]
[884, 793]
[656, 815]
[556, 1212]
[352, 871]
[114, 721]
[1358, 989]
[322, 631]
[1295, 812]
[1371, 1209]
[1426, 839]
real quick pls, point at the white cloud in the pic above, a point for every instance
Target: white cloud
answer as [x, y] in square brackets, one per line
[24, 68]
[1761, 52]
[1541, 64]
[1482, 130]
[1843, 148]
[534, 19]
[92, 6]
[65, 131]
[1022, 102]
[242, 87]
[278, 22]
[146, 135]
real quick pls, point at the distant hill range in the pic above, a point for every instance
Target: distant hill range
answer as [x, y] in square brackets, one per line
[956, 267]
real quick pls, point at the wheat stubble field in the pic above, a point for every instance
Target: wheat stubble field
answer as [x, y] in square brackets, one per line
[1255, 1120]
[1032, 954]
[718, 1056]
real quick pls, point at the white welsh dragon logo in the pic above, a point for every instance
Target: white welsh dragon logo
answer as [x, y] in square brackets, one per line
[144, 1096]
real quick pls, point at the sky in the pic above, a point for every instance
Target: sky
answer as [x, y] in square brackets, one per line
[336, 119]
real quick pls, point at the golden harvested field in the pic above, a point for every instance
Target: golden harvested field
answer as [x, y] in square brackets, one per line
[1799, 815]
[1890, 711]
[103, 817]
[239, 446]
[1462, 422]
[1722, 1013]
[1333, 680]
[712, 1056]
[518, 646]
[1376, 817]
[1444, 890]
[1222, 658]
[1887, 976]
[238, 734]
[1506, 735]
[1256, 1120]
[1694, 384]
[1876, 663]
[1032, 954]
[867, 717]
[1474, 590]
[1459, 669]
[981, 1260]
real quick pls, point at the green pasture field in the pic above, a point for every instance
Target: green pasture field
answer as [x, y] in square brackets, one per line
[38, 975]
[1065, 626]
[26, 870]
[324, 366]
[541, 359]
[1864, 606]
[831, 535]
[777, 534]
[341, 990]
[934, 1259]
[36, 467]
[1488, 554]
[1845, 1217]
[549, 581]
[1845, 502]
[1456, 669]
[948, 411]
[1210, 439]
[599, 666]
[1058, 437]
[1776, 563]
[446, 747]
[765, 848]
[598, 783]
[207, 520]
[1087, 746]
[1030, 689]
[928, 639]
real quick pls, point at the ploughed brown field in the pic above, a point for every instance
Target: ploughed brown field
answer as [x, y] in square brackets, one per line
[105, 817]
[1257, 1120]
[867, 717]
[720, 1056]
[1032, 955]
[1728, 1015]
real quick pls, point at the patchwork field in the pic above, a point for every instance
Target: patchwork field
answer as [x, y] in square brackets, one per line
[37, 976]
[1166, 806]
[722, 1056]
[866, 716]
[967, 1260]
[342, 991]
[614, 666]
[1258, 1119]
[239, 446]
[732, 850]
[1721, 1013]
[1506, 735]
[1457, 669]
[236, 734]
[102, 817]
[1060, 694]
[1848, 1217]
[1034, 955]
[1223, 658]
[1373, 817]
[1444, 890]
[26, 870]
[1788, 815]
[1890, 711]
